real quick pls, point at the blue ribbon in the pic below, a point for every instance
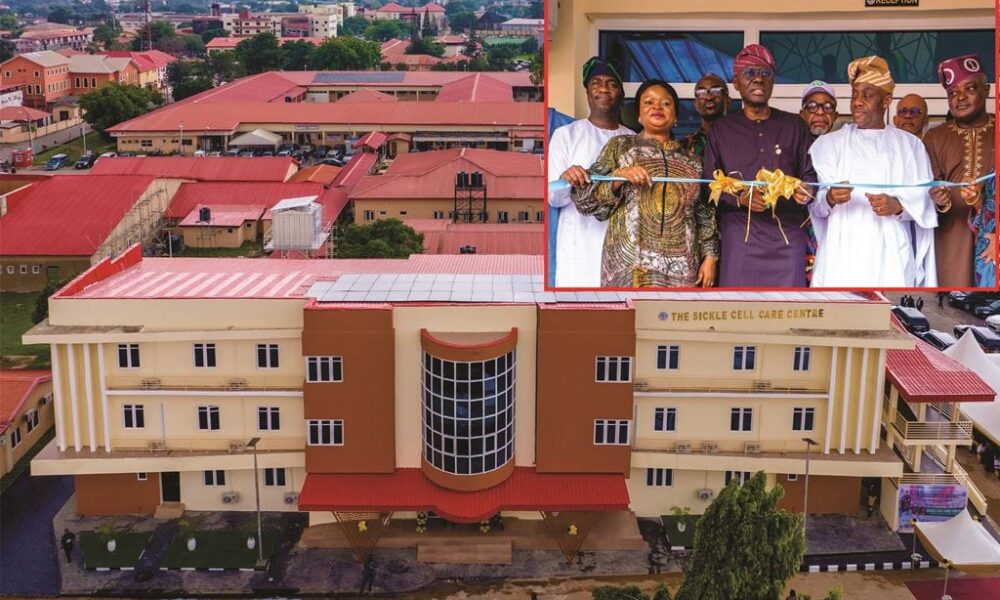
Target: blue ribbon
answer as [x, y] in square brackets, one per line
[562, 184]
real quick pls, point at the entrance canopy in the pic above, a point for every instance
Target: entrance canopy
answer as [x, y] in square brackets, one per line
[409, 490]
[926, 375]
[985, 416]
[257, 137]
[961, 541]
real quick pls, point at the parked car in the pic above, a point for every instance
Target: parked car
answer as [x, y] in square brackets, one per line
[86, 161]
[332, 161]
[245, 153]
[969, 300]
[264, 153]
[232, 152]
[285, 152]
[108, 155]
[320, 152]
[298, 155]
[985, 337]
[912, 319]
[941, 340]
[993, 323]
[126, 154]
[987, 310]
[57, 162]
[215, 153]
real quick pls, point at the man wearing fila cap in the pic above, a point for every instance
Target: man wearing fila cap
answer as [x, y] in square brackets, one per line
[960, 150]
[573, 148]
[864, 234]
[819, 108]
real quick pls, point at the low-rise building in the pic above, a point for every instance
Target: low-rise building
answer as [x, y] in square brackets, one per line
[25, 413]
[52, 39]
[223, 44]
[522, 26]
[91, 72]
[151, 66]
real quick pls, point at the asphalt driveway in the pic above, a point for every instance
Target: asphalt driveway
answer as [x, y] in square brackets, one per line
[27, 545]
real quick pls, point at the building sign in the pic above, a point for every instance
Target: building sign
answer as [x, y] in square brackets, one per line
[881, 3]
[307, 128]
[742, 314]
[929, 502]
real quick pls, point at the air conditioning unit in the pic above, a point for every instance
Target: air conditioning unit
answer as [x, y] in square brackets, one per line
[705, 494]
[710, 447]
[762, 384]
[157, 445]
[44, 400]
[237, 446]
[153, 383]
[292, 498]
[752, 447]
[237, 384]
[230, 498]
[682, 447]
[641, 384]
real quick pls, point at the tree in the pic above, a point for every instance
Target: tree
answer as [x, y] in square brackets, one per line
[224, 66]
[537, 69]
[7, 50]
[210, 34]
[296, 55]
[345, 54]
[188, 78]
[41, 311]
[727, 562]
[425, 45]
[8, 20]
[106, 35]
[463, 21]
[501, 58]
[384, 30]
[662, 593]
[459, 6]
[60, 14]
[429, 29]
[164, 37]
[259, 53]
[612, 592]
[385, 238]
[354, 26]
[530, 46]
[193, 44]
[116, 103]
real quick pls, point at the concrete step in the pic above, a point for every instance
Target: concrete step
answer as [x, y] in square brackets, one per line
[459, 551]
[169, 510]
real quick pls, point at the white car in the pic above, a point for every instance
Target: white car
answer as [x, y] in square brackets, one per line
[993, 323]
[108, 155]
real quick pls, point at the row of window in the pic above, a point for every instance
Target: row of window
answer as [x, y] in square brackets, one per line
[318, 368]
[322, 432]
[31, 422]
[91, 83]
[740, 419]
[665, 477]
[23, 269]
[668, 358]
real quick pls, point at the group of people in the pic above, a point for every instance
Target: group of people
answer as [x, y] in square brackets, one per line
[859, 215]
[912, 302]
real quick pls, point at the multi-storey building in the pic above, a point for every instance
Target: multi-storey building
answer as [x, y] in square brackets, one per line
[311, 20]
[43, 76]
[52, 39]
[461, 380]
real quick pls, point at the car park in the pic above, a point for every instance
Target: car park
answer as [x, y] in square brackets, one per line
[993, 323]
[987, 310]
[86, 161]
[332, 161]
[942, 340]
[57, 162]
[108, 155]
[969, 300]
[987, 339]
[912, 319]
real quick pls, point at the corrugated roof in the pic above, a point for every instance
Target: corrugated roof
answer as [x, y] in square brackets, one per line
[444, 237]
[229, 43]
[201, 168]
[190, 195]
[320, 173]
[372, 139]
[95, 63]
[45, 58]
[223, 215]
[15, 388]
[392, 7]
[21, 113]
[432, 175]
[476, 88]
[925, 374]
[393, 47]
[151, 60]
[69, 215]
[355, 170]
[366, 96]
[409, 490]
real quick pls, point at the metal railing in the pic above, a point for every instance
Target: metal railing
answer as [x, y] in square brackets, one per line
[209, 444]
[976, 496]
[709, 385]
[958, 431]
[236, 383]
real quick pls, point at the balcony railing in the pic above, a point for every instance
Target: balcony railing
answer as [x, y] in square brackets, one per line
[224, 445]
[709, 385]
[976, 497]
[956, 431]
[207, 383]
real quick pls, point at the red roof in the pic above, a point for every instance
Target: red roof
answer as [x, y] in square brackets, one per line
[372, 139]
[393, 47]
[366, 96]
[320, 173]
[432, 175]
[69, 215]
[22, 113]
[444, 237]
[476, 88]
[409, 490]
[150, 60]
[392, 7]
[223, 215]
[15, 389]
[190, 195]
[925, 374]
[355, 169]
[228, 43]
[201, 168]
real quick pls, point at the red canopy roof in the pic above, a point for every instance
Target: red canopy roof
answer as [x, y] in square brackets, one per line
[925, 374]
[409, 490]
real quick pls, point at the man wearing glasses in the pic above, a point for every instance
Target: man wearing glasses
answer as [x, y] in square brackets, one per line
[819, 108]
[911, 115]
[755, 252]
[711, 101]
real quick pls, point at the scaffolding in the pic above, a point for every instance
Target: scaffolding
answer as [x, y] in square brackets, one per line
[142, 224]
[470, 198]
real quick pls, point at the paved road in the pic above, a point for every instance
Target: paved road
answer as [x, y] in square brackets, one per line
[27, 547]
[46, 141]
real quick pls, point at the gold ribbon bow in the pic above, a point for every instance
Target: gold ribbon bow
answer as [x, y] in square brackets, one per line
[777, 185]
[723, 184]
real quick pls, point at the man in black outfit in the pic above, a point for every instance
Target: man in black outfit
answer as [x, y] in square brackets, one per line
[68, 541]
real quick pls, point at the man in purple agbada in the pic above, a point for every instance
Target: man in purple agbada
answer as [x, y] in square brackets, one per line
[741, 144]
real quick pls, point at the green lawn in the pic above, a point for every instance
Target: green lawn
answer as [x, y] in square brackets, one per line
[128, 548]
[74, 149]
[680, 538]
[218, 549]
[245, 250]
[15, 320]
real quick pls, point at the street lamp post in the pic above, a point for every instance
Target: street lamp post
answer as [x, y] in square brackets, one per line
[256, 488]
[83, 135]
[180, 142]
[805, 502]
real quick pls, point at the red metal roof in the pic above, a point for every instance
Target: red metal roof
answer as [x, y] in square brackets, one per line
[364, 96]
[228, 43]
[69, 215]
[146, 61]
[15, 388]
[22, 113]
[200, 168]
[508, 175]
[925, 374]
[223, 215]
[476, 88]
[444, 237]
[355, 169]
[393, 47]
[409, 490]
[392, 7]
[372, 139]
[320, 173]
[266, 194]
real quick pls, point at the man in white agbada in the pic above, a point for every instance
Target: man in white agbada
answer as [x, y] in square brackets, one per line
[572, 149]
[872, 237]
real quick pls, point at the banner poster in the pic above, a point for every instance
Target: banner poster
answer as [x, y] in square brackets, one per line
[929, 502]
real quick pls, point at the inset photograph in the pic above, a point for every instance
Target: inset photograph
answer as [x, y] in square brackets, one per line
[763, 145]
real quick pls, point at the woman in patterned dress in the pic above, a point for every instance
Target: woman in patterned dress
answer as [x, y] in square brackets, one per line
[983, 221]
[659, 234]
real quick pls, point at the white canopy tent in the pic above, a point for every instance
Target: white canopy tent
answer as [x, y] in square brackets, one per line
[985, 415]
[257, 137]
[962, 542]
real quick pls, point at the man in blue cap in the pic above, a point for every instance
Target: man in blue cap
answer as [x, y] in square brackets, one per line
[572, 150]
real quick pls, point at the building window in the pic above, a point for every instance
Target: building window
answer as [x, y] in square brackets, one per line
[35, 269]
[539, 216]
[326, 432]
[10, 269]
[741, 477]
[274, 477]
[469, 413]
[611, 432]
[502, 216]
[791, 477]
[439, 214]
[135, 416]
[668, 357]
[31, 418]
[741, 419]
[128, 356]
[614, 369]
[208, 418]
[23, 269]
[204, 355]
[659, 477]
[369, 215]
[268, 418]
[215, 477]
[802, 419]
[267, 356]
[249, 225]
[800, 362]
[141, 477]
[15, 436]
[324, 369]
[665, 419]
[743, 358]
[146, 143]
[522, 215]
